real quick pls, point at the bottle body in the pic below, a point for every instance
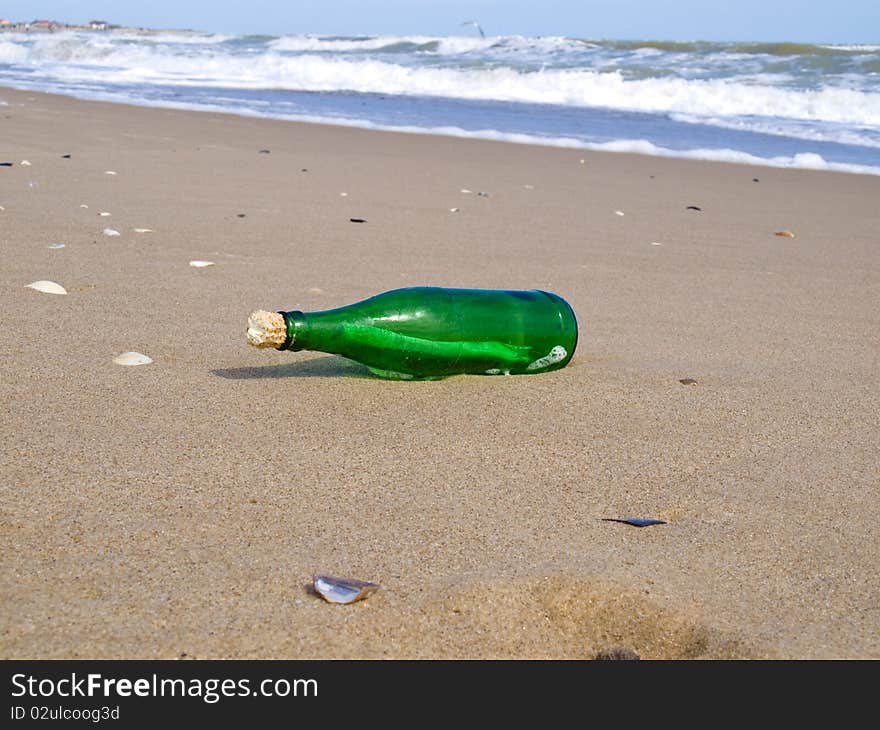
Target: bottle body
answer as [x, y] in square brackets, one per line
[431, 332]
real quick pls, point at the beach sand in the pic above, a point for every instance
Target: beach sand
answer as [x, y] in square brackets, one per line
[180, 508]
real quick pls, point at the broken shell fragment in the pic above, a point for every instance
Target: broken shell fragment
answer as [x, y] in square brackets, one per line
[110, 172]
[142, 230]
[132, 358]
[56, 245]
[47, 287]
[111, 232]
[201, 264]
[784, 234]
[687, 381]
[620, 213]
[25, 163]
[342, 590]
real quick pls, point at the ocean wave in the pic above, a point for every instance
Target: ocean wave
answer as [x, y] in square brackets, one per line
[68, 60]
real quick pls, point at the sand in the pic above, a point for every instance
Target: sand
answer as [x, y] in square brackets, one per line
[180, 508]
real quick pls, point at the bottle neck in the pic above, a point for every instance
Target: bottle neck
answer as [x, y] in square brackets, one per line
[296, 324]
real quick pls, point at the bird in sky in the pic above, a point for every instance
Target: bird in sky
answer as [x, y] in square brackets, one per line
[476, 25]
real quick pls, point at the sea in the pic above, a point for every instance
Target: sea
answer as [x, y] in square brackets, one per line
[814, 106]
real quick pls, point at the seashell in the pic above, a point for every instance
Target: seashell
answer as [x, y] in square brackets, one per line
[481, 194]
[2, 208]
[343, 195]
[529, 187]
[201, 264]
[142, 230]
[466, 191]
[634, 521]
[132, 358]
[103, 214]
[454, 210]
[47, 287]
[342, 590]
[784, 234]
[656, 243]
[111, 232]
[25, 163]
[619, 212]
[583, 162]
[110, 172]
[56, 245]
[687, 381]
[83, 205]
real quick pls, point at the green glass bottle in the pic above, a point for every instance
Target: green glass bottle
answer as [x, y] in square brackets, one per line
[432, 332]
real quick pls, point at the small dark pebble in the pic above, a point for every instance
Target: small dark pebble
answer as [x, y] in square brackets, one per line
[483, 195]
[693, 207]
[241, 215]
[754, 179]
[5, 164]
[305, 169]
[66, 157]
[634, 521]
[358, 220]
[617, 654]
[264, 152]
[687, 381]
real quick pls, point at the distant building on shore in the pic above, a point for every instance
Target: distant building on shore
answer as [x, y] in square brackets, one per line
[4, 23]
[98, 25]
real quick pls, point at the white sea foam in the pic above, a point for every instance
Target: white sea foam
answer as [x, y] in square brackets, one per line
[107, 63]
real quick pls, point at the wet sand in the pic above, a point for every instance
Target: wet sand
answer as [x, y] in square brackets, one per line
[180, 508]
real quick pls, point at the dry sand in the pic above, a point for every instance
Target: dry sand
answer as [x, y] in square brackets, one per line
[180, 508]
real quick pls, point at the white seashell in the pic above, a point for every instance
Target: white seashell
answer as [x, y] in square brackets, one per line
[111, 232]
[466, 191]
[103, 214]
[56, 245]
[132, 358]
[343, 195]
[201, 264]
[454, 210]
[2, 208]
[25, 163]
[110, 172]
[83, 205]
[142, 230]
[47, 287]
[583, 162]
[619, 212]
[656, 243]
[342, 590]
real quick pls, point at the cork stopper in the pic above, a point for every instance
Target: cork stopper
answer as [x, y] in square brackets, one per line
[266, 329]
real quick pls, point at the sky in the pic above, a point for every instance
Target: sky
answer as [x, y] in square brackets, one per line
[805, 21]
